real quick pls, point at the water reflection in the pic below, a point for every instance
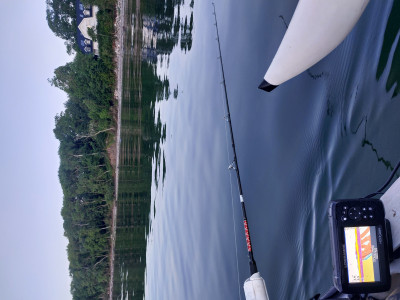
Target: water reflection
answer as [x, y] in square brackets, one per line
[390, 39]
[164, 26]
[295, 147]
[153, 31]
[368, 143]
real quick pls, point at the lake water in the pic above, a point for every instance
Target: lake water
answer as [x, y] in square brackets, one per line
[331, 132]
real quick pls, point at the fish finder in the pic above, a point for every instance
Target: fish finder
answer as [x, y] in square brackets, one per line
[359, 246]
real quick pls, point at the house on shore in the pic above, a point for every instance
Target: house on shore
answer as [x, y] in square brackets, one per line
[86, 19]
[149, 42]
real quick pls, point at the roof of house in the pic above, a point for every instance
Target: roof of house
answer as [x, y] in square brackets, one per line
[82, 35]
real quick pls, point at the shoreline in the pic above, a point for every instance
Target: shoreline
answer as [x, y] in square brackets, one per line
[119, 50]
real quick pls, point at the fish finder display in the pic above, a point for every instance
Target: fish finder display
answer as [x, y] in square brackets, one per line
[362, 254]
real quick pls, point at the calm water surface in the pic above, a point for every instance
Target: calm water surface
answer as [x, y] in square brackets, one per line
[332, 132]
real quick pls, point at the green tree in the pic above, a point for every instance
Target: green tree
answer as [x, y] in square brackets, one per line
[61, 18]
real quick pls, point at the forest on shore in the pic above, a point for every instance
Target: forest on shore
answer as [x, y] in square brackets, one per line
[85, 129]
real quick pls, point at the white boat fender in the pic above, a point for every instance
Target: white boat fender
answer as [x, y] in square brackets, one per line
[254, 288]
[317, 27]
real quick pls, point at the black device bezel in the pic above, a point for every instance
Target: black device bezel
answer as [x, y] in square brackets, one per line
[338, 246]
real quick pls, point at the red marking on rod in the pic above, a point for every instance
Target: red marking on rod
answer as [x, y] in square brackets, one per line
[246, 230]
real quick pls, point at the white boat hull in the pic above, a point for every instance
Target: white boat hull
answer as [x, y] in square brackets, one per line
[317, 27]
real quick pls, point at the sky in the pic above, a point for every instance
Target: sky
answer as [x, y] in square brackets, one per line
[33, 257]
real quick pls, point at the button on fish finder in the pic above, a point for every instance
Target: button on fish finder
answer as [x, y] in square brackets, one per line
[355, 213]
[344, 211]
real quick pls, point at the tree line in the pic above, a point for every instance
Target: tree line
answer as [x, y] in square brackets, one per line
[85, 129]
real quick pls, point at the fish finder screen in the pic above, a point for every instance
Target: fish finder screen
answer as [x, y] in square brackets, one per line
[362, 254]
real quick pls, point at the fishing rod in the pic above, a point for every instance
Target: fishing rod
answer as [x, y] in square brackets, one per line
[254, 286]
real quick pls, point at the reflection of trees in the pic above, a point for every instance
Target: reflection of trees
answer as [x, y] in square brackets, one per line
[166, 24]
[391, 32]
[142, 160]
[368, 143]
[186, 34]
[142, 163]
